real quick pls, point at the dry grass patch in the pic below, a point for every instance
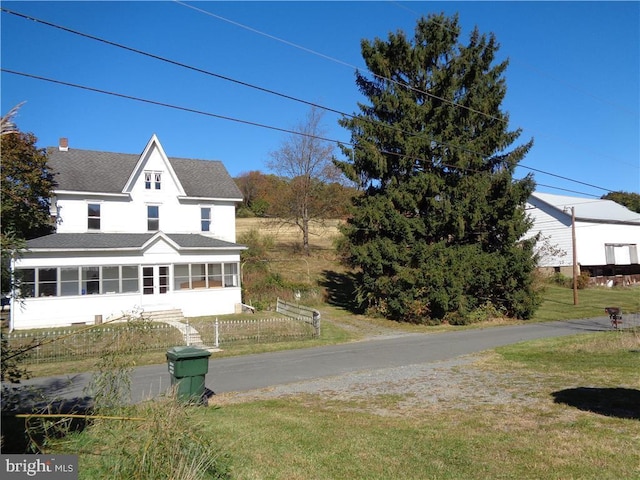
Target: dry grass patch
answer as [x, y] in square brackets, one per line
[321, 235]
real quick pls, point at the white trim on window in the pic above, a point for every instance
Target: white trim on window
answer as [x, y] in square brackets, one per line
[94, 216]
[205, 219]
[153, 217]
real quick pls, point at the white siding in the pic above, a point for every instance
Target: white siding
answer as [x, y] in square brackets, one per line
[128, 213]
[62, 311]
[555, 232]
[591, 237]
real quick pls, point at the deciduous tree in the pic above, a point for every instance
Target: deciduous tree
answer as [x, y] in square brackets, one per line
[27, 185]
[260, 192]
[630, 200]
[306, 161]
[437, 233]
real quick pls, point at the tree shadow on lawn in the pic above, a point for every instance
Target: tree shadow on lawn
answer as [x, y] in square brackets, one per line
[611, 402]
[22, 435]
[341, 290]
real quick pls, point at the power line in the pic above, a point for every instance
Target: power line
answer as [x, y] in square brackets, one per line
[265, 90]
[354, 67]
[239, 82]
[567, 190]
[548, 75]
[167, 60]
[538, 71]
[237, 120]
[164, 104]
[341, 62]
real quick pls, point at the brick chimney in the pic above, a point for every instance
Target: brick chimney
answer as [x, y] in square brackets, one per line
[63, 145]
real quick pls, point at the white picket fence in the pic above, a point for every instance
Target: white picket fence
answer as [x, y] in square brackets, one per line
[250, 330]
[74, 344]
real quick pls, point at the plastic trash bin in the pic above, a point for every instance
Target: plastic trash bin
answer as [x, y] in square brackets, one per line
[188, 367]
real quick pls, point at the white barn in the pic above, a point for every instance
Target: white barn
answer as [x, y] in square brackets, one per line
[133, 232]
[607, 235]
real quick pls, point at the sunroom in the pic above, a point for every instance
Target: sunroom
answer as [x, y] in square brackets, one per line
[63, 281]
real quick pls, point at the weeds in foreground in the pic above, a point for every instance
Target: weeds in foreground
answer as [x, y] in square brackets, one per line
[117, 440]
[159, 440]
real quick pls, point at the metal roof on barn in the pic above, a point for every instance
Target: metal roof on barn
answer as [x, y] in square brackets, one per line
[590, 209]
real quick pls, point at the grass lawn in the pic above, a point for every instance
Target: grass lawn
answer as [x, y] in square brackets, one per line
[565, 409]
[558, 302]
[581, 419]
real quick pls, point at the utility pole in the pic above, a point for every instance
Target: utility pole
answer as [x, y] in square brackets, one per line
[575, 256]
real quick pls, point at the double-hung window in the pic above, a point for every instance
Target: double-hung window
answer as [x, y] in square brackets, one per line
[621, 253]
[48, 282]
[230, 274]
[153, 218]
[205, 219]
[93, 216]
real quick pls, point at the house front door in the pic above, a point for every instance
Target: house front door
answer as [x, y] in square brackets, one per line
[155, 280]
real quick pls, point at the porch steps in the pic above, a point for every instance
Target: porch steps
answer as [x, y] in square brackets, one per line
[175, 318]
[163, 315]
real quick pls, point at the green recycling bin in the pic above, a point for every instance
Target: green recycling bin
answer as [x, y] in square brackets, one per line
[188, 367]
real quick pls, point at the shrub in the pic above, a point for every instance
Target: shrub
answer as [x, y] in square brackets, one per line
[559, 279]
[244, 212]
[582, 281]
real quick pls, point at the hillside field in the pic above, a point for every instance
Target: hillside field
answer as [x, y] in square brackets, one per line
[288, 235]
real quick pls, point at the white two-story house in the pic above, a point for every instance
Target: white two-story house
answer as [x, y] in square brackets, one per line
[133, 232]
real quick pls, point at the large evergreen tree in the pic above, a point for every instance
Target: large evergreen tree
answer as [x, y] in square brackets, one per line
[437, 234]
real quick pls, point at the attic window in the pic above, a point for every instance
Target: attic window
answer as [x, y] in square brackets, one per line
[154, 178]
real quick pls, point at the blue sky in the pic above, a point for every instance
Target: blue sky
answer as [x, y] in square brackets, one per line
[573, 80]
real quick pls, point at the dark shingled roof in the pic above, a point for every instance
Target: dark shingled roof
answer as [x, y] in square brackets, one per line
[105, 172]
[106, 241]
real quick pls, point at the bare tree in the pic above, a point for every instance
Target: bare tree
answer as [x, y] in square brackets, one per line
[305, 159]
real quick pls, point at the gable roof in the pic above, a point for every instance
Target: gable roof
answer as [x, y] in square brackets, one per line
[152, 144]
[589, 209]
[106, 172]
[126, 241]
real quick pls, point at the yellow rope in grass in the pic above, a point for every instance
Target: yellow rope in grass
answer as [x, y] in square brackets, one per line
[71, 415]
